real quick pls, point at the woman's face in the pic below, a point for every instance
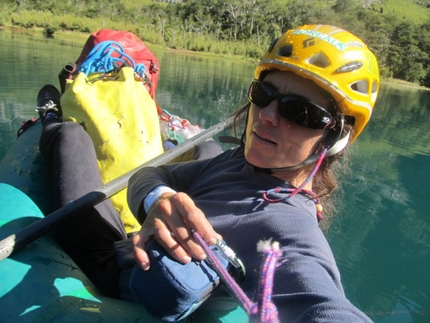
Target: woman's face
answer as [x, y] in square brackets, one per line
[273, 141]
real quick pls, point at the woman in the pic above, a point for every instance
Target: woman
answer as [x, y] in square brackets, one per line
[313, 92]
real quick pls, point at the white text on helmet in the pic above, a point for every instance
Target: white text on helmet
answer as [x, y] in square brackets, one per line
[332, 41]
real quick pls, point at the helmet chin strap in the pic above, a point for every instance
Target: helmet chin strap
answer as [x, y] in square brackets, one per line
[333, 150]
[316, 158]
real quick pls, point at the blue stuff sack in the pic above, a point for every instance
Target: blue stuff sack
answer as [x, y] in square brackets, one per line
[170, 290]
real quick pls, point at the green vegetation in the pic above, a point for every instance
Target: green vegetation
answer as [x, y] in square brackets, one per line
[398, 31]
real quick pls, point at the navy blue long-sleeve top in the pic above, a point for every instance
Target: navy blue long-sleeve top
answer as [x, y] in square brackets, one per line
[307, 286]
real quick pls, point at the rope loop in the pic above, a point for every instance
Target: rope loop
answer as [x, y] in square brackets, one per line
[109, 56]
[294, 191]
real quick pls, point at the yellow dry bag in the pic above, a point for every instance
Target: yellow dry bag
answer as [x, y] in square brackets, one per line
[121, 117]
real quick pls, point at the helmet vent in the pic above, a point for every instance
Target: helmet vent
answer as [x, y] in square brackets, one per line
[360, 86]
[286, 51]
[272, 44]
[319, 60]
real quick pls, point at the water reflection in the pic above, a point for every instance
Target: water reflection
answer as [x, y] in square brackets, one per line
[398, 122]
[381, 237]
[201, 88]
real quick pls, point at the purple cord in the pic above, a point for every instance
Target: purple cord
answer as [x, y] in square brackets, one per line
[230, 283]
[264, 307]
[298, 189]
[268, 311]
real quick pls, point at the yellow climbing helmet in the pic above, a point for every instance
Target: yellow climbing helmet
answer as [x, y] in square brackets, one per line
[335, 60]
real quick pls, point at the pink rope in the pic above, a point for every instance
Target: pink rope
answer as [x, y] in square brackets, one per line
[231, 284]
[264, 308]
[267, 310]
[292, 192]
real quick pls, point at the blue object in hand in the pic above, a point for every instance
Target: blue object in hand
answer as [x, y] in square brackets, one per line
[171, 290]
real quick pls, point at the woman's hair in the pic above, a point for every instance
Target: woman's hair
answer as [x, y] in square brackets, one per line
[326, 179]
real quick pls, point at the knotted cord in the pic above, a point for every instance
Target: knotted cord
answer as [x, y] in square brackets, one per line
[294, 191]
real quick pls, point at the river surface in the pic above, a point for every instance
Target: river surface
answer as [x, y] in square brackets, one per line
[381, 233]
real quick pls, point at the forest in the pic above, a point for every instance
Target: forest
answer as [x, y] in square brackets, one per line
[397, 31]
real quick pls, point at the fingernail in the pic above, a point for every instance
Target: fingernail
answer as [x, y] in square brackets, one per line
[202, 257]
[145, 266]
[211, 241]
[186, 259]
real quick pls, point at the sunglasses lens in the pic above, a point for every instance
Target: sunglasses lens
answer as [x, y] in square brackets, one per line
[304, 113]
[293, 108]
[260, 94]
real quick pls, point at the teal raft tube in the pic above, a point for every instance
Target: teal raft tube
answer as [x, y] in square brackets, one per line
[40, 283]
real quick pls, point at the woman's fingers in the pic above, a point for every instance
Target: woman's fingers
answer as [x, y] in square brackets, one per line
[169, 241]
[190, 218]
[155, 227]
[140, 255]
[172, 232]
[196, 220]
[171, 222]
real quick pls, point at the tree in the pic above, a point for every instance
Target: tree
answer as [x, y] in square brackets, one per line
[404, 57]
[425, 80]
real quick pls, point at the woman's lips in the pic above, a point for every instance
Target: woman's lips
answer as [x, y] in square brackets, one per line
[262, 137]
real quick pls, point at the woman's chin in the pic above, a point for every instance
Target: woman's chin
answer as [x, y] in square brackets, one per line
[259, 162]
[266, 161]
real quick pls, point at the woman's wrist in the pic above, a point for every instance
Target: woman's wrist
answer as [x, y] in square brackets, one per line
[156, 195]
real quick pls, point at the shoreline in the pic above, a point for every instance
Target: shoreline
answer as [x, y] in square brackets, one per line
[84, 37]
[401, 83]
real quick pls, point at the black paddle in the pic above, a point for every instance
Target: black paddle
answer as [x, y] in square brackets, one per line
[37, 229]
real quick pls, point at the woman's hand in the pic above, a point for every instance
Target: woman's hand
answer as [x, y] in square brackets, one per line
[170, 221]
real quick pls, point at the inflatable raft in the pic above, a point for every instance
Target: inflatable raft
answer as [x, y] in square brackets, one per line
[40, 283]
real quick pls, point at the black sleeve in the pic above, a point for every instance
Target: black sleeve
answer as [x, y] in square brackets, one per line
[178, 176]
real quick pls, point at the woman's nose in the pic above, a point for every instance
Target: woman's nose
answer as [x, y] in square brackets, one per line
[270, 113]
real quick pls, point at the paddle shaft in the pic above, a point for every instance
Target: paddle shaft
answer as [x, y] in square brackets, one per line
[39, 228]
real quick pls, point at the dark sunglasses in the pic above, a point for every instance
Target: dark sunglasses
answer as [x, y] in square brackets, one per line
[294, 108]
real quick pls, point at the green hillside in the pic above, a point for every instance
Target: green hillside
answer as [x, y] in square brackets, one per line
[413, 11]
[398, 31]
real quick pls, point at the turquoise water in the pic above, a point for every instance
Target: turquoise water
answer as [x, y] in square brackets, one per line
[381, 234]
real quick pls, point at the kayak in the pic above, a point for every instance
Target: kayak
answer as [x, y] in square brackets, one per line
[40, 283]
[24, 168]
